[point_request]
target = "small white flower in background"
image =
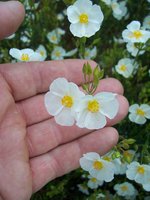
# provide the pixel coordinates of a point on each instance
(131, 48)
(139, 113)
(60, 100)
(25, 39)
(41, 49)
(125, 67)
(60, 17)
(126, 190)
(123, 8)
(116, 7)
(97, 167)
(148, 1)
(25, 55)
(85, 18)
(55, 35)
(100, 196)
(91, 111)
(134, 33)
(11, 36)
(27, 5)
(138, 173)
(90, 53)
(83, 189)
(146, 22)
(58, 53)
(118, 40)
(94, 183)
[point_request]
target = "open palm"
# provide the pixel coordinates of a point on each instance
(33, 148)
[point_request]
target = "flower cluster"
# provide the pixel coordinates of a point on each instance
(68, 104)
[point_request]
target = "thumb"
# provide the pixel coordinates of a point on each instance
(11, 15)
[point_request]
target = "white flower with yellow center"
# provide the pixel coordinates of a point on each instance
(115, 7)
(58, 53)
(97, 167)
(131, 48)
(90, 53)
(94, 183)
(139, 113)
(60, 100)
(54, 37)
(126, 190)
(25, 55)
(125, 67)
(42, 51)
(85, 18)
(135, 34)
(91, 111)
(138, 173)
(122, 7)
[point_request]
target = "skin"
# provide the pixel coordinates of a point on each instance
(33, 148)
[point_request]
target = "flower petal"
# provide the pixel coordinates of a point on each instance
(65, 117)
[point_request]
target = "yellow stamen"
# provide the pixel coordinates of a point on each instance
(93, 180)
(140, 112)
(98, 165)
(53, 38)
(83, 18)
(42, 53)
(25, 57)
(93, 106)
(107, 158)
(57, 53)
(123, 68)
(137, 34)
(124, 188)
(67, 101)
(140, 170)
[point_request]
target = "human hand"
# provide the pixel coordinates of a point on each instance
(33, 148)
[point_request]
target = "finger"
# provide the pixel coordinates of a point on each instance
(11, 16)
(66, 157)
(35, 77)
(47, 135)
(33, 109)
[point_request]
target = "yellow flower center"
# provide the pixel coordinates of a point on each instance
(53, 38)
(93, 180)
(140, 112)
(123, 68)
(93, 106)
(140, 170)
(107, 158)
(137, 34)
(124, 188)
(67, 101)
(42, 53)
(25, 57)
(83, 18)
(98, 165)
(57, 53)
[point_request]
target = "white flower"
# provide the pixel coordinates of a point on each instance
(93, 183)
(71, 53)
(83, 189)
(97, 167)
(42, 51)
(60, 16)
(91, 111)
(55, 35)
(138, 173)
(146, 22)
(60, 100)
(25, 55)
(24, 39)
(138, 114)
(90, 53)
(125, 189)
(125, 67)
(115, 7)
(58, 53)
(123, 8)
(133, 49)
(133, 33)
(85, 18)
